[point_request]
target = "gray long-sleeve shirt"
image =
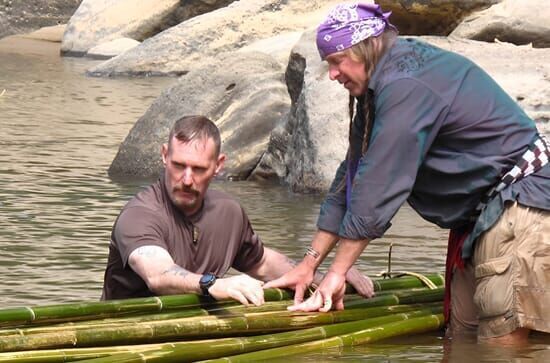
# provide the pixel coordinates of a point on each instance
(444, 133)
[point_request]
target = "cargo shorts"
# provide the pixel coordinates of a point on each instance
(506, 286)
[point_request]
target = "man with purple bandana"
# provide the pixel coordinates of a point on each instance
(432, 128)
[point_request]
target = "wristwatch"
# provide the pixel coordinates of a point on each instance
(205, 282)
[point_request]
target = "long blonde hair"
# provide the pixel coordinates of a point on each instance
(369, 52)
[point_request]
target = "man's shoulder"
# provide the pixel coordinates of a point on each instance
(218, 199)
(150, 198)
(148, 203)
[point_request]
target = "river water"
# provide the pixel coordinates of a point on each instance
(59, 132)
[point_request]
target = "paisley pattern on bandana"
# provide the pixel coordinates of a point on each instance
(366, 28)
(349, 24)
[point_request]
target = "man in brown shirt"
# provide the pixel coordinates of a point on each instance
(177, 236)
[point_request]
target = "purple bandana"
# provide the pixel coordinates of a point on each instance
(349, 24)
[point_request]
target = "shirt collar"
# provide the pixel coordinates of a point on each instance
(379, 69)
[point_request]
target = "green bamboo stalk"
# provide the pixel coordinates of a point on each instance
(412, 326)
(224, 310)
(184, 313)
(192, 351)
(155, 331)
(214, 309)
(406, 282)
(101, 309)
(79, 333)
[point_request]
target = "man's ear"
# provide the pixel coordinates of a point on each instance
(164, 153)
(219, 164)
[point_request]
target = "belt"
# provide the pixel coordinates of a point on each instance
(532, 160)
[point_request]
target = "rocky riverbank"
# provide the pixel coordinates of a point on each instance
(251, 65)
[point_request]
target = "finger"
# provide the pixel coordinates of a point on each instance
(252, 297)
(252, 291)
(237, 295)
(371, 288)
(311, 304)
(339, 305)
(280, 282)
(327, 304)
(257, 296)
(299, 294)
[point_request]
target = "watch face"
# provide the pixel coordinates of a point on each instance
(207, 279)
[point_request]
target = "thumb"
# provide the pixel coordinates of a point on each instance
(275, 283)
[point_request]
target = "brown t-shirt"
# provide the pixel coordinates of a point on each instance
(216, 238)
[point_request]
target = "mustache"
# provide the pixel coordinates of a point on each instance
(186, 190)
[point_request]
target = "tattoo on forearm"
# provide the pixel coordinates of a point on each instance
(176, 271)
(147, 251)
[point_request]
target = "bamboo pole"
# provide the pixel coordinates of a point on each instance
(415, 325)
(184, 313)
(354, 301)
(86, 334)
(192, 351)
(204, 326)
(102, 309)
(404, 282)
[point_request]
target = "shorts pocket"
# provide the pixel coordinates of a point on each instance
(494, 289)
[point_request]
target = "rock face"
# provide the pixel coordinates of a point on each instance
(431, 17)
(112, 48)
(18, 16)
(100, 21)
(518, 22)
(314, 142)
(244, 94)
(176, 50)
(184, 46)
(232, 61)
(52, 33)
(307, 150)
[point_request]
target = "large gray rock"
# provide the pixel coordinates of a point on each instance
(512, 21)
(307, 150)
(99, 21)
(112, 48)
(19, 16)
(278, 46)
(52, 33)
(181, 48)
(243, 93)
(431, 17)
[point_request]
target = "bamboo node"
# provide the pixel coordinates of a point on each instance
(159, 302)
(33, 315)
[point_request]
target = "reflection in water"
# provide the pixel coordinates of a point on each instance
(59, 133)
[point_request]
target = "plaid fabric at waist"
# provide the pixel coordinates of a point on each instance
(532, 160)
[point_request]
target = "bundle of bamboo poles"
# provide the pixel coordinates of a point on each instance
(187, 328)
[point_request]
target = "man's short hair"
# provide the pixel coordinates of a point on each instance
(189, 128)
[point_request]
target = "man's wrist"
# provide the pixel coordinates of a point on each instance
(337, 271)
(312, 258)
(206, 282)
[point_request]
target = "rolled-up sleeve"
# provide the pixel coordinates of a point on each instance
(408, 115)
(137, 227)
